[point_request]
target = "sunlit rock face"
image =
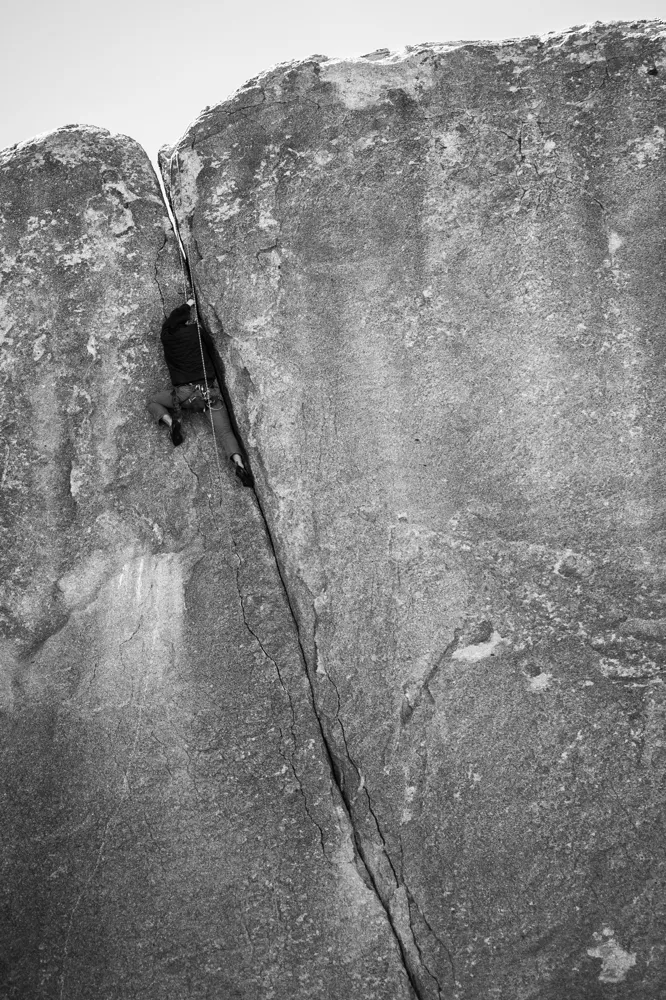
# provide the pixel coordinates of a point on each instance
(170, 827)
(438, 281)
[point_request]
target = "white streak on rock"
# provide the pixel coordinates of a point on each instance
(186, 167)
(480, 650)
(649, 147)
(38, 347)
(614, 243)
(363, 82)
(76, 480)
(615, 961)
(541, 682)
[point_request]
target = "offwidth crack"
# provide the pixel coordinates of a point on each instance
(337, 776)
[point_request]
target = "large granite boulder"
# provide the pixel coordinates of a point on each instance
(437, 281)
(170, 827)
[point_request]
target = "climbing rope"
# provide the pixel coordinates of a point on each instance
(184, 265)
(188, 283)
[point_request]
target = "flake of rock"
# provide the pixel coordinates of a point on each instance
(169, 826)
(439, 276)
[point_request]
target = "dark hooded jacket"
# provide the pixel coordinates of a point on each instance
(182, 351)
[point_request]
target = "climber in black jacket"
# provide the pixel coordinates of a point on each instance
(189, 374)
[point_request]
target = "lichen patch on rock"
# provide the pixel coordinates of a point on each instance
(615, 961)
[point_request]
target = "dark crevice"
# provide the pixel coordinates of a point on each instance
(399, 882)
(364, 862)
(292, 726)
(413, 905)
(335, 769)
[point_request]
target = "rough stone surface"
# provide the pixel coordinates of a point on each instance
(170, 827)
(438, 283)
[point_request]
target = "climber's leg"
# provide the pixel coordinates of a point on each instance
(158, 408)
(223, 430)
(228, 440)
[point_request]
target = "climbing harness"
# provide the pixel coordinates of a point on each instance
(200, 390)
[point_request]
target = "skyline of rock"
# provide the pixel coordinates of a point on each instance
(435, 280)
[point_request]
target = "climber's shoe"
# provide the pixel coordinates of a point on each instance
(244, 475)
(176, 433)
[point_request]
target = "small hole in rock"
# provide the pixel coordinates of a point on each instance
(653, 72)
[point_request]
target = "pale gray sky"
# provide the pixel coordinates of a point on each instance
(147, 67)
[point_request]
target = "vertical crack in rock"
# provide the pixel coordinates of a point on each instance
(413, 905)
(411, 957)
(537, 167)
(399, 883)
(372, 877)
(289, 761)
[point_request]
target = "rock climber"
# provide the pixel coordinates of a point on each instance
(183, 355)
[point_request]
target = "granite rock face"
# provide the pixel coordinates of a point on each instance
(437, 280)
(170, 826)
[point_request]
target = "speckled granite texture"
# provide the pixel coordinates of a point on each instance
(170, 826)
(437, 280)
(393, 727)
